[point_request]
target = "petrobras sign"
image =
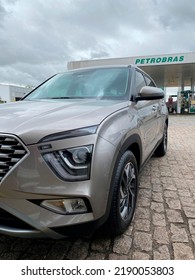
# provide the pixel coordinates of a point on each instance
(160, 59)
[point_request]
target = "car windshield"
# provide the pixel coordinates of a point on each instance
(109, 83)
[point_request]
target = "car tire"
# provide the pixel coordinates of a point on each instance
(162, 148)
(125, 186)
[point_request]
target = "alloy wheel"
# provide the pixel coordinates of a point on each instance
(127, 191)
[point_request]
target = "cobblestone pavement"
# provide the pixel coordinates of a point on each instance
(164, 221)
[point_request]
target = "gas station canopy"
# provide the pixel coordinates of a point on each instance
(168, 70)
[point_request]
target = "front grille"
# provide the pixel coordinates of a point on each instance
(11, 152)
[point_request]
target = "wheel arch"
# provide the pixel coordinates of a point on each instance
(133, 144)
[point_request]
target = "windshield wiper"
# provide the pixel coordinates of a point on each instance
(62, 97)
(69, 97)
(73, 97)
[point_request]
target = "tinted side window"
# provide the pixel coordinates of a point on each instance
(139, 82)
(149, 82)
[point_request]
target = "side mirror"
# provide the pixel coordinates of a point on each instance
(150, 93)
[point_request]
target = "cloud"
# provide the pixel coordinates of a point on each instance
(2, 13)
(38, 38)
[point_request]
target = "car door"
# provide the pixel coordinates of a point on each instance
(159, 104)
(147, 112)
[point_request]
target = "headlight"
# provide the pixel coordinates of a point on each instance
(72, 164)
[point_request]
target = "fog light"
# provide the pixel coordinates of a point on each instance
(66, 206)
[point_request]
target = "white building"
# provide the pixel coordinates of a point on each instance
(11, 92)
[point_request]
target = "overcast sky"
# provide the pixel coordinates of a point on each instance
(39, 37)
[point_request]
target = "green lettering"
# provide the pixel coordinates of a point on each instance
(147, 60)
(158, 60)
(164, 59)
(170, 59)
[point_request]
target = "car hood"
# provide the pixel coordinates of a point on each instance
(33, 120)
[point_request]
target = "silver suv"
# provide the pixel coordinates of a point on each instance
(72, 149)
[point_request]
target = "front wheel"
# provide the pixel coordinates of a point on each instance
(125, 185)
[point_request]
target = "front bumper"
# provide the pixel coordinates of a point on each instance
(36, 221)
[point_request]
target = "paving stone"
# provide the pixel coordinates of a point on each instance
(142, 225)
(180, 183)
(191, 223)
(178, 234)
(144, 183)
(167, 183)
(161, 235)
(157, 207)
(101, 245)
(20, 244)
(184, 193)
(142, 213)
(154, 165)
(165, 174)
(169, 187)
(173, 203)
(117, 257)
(140, 256)
(172, 194)
(191, 183)
(38, 250)
(122, 245)
(162, 253)
(143, 241)
(155, 180)
(4, 248)
(146, 171)
(193, 239)
(189, 175)
(157, 188)
(187, 201)
(155, 174)
(174, 216)
(182, 252)
(158, 219)
(189, 212)
(79, 250)
(145, 193)
(59, 250)
(129, 230)
(157, 197)
(14, 256)
(96, 256)
(143, 201)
